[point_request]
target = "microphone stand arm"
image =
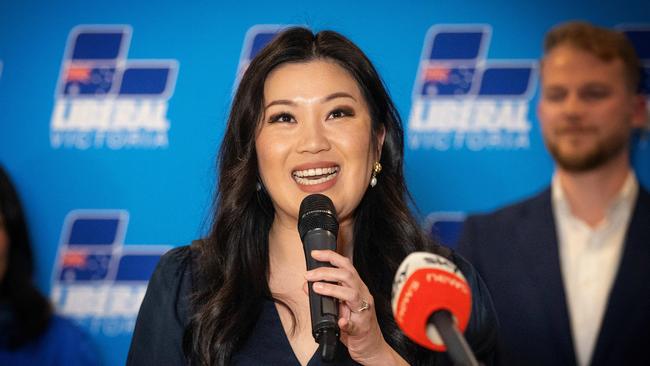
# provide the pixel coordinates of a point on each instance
(457, 347)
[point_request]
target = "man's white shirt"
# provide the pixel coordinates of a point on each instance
(589, 259)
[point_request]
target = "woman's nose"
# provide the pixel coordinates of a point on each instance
(313, 137)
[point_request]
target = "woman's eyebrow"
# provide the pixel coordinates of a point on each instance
(324, 99)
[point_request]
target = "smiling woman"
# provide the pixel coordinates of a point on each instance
(315, 136)
(311, 115)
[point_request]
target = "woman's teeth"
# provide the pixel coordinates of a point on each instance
(315, 176)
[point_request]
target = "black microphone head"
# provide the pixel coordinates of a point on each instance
(317, 212)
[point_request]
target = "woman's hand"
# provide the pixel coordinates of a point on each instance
(360, 330)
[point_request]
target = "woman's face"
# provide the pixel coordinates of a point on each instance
(315, 136)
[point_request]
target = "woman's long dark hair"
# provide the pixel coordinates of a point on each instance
(234, 267)
(29, 310)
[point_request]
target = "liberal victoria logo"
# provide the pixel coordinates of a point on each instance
(96, 280)
(463, 101)
(104, 99)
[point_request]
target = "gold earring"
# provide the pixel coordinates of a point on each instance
(375, 170)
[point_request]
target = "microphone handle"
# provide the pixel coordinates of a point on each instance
(457, 346)
(324, 309)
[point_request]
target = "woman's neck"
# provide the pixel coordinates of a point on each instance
(285, 246)
(286, 251)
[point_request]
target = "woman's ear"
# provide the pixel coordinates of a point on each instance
(381, 135)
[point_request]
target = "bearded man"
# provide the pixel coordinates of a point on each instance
(569, 269)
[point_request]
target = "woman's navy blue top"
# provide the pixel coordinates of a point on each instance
(268, 344)
(166, 310)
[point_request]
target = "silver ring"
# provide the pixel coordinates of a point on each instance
(364, 306)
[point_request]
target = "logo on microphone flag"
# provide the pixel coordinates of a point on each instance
(426, 283)
(97, 280)
(103, 99)
(462, 100)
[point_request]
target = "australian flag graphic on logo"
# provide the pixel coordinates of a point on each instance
(96, 279)
(454, 64)
(96, 65)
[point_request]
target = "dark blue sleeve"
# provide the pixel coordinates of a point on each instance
(164, 313)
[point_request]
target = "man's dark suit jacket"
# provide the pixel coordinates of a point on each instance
(515, 249)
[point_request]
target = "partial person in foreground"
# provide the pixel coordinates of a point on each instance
(569, 269)
(30, 334)
(310, 115)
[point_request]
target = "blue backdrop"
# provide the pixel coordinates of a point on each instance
(111, 114)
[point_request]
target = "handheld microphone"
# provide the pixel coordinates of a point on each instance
(431, 300)
(318, 227)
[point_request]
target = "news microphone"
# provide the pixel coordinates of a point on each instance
(431, 301)
(318, 227)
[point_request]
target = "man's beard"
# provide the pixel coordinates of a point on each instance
(604, 151)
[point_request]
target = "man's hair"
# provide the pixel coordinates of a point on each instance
(606, 44)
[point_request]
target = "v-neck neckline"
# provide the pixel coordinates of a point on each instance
(266, 346)
(285, 338)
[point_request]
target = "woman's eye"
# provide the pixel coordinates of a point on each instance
(340, 113)
(281, 117)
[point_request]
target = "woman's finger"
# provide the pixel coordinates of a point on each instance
(347, 294)
(333, 274)
(354, 301)
(334, 258)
